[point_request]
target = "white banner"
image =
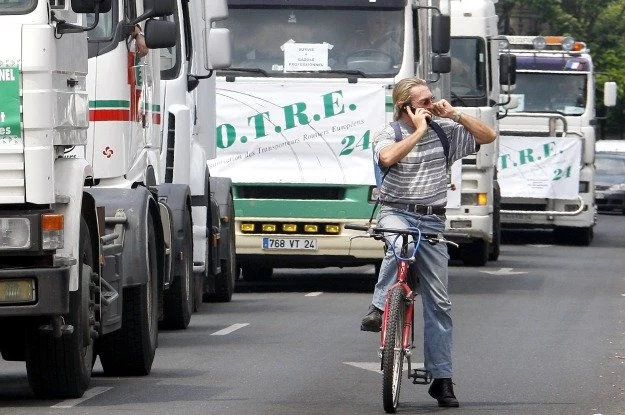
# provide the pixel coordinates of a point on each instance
(297, 132)
(539, 167)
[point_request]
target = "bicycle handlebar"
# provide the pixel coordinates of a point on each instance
(379, 230)
(399, 231)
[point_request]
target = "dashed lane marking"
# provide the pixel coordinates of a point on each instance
(89, 393)
(313, 294)
(229, 329)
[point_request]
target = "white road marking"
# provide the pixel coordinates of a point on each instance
(89, 393)
(229, 329)
(503, 271)
(313, 294)
(375, 366)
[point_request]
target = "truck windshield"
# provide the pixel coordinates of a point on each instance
(278, 41)
(468, 68)
(16, 6)
(548, 92)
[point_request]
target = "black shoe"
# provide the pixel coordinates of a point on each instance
(443, 391)
(373, 320)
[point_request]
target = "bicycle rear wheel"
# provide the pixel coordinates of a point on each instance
(393, 352)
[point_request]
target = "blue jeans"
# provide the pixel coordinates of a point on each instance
(431, 267)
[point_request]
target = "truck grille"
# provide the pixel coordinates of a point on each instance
(12, 185)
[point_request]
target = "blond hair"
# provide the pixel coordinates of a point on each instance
(401, 94)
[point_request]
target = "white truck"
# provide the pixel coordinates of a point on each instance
(547, 145)
(309, 85)
(473, 219)
(188, 140)
(92, 237)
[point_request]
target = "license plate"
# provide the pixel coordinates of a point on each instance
(290, 243)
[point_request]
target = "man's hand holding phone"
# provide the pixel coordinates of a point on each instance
(419, 116)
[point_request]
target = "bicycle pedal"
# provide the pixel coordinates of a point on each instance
(421, 377)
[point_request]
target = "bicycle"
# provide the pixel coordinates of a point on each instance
(397, 334)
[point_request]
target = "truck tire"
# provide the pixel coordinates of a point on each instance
(475, 254)
(178, 299)
(495, 246)
(225, 281)
(130, 350)
(198, 290)
(61, 367)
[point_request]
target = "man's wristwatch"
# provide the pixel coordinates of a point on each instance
(456, 116)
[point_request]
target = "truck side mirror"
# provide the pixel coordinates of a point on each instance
(89, 6)
(441, 34)
(507, 70)
(160, 34)
(158, 8)
(218, 53)
(609, 94)
(215, 10)
(441, 64)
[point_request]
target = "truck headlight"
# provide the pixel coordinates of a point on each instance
(374, 194)
(15, 233)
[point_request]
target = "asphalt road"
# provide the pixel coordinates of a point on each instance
(541, 331)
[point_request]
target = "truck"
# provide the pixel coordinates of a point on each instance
(187, 91)
(296, 113)
(473, 207)
(93, 239)
(547, 145)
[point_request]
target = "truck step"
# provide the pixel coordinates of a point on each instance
(57, 328)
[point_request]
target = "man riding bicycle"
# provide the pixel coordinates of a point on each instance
(413, 193)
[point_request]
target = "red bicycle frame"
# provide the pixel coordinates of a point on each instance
(402, 274)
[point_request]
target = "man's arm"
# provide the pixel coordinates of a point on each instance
(482, 132)
(139, 39)
(398, 150)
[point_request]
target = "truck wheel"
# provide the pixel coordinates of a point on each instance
(178, 301)
(495, 246)
(475, 254)
(61, 368)
(256, 272)
(198, 289)
(130, 350)
(225, 281)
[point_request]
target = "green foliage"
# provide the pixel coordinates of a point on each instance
(599, 23)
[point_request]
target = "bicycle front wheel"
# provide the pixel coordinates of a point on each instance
(393, 352)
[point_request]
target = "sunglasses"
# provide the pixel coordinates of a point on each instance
(425, 102)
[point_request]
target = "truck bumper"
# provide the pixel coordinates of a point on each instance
(479, 228)
(540, 219)
(51, 291)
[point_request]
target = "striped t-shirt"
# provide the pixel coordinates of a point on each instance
(420, 177)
